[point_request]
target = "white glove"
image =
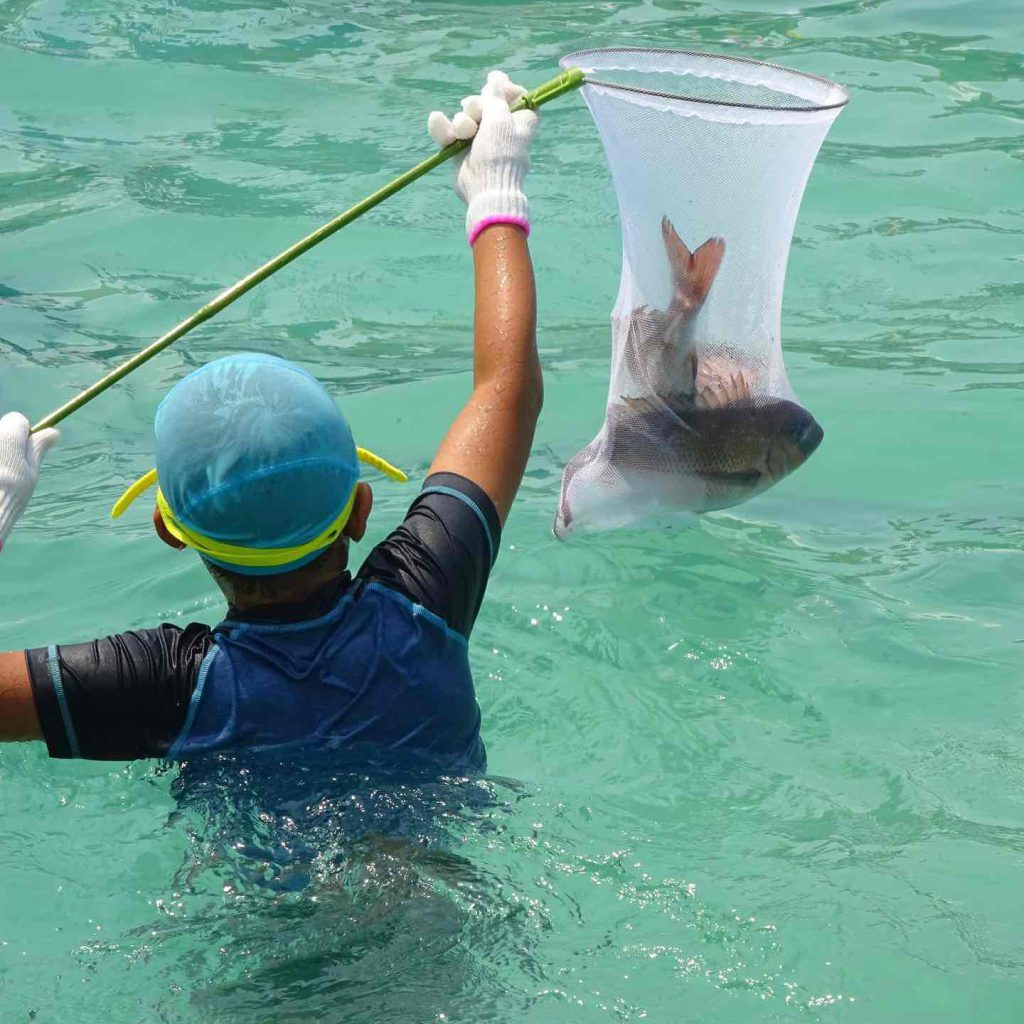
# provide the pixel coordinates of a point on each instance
(20, 456)
(490, 176)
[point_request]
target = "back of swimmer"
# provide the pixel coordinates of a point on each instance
(258, 473)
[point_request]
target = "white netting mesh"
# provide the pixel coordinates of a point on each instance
(709, 156)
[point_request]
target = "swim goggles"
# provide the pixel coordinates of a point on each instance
(235, 554)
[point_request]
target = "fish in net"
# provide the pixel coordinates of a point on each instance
(709, 157)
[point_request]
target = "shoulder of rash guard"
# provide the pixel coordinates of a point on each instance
(441, 555)
(121, 697)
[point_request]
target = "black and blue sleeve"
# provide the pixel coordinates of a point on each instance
(119, 698)
(442, 554)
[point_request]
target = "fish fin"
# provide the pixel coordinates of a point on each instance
(706, 262)
(691, 367)
(642, 404)
(692, 273)
(717, 389)
(744, 476)
(678, 402)
(676, 407)
(644, 343)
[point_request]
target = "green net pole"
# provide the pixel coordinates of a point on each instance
(563, 83)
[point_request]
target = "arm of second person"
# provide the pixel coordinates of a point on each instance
(490, 440)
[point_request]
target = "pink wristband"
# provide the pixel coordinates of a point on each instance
(480, 225)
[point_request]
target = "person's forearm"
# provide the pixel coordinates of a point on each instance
(505, 320)
(491, 437)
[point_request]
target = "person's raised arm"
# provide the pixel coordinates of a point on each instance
(490, 440)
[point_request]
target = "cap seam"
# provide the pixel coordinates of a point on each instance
(267, 471)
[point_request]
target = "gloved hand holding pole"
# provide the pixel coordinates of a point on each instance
(489, 178)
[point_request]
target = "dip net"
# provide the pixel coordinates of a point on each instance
(709, 156)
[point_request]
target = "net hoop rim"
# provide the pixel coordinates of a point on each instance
(571, 58)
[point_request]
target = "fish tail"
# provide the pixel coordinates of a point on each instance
(692, 273)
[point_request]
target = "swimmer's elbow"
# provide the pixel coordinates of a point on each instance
(519, 394)
(529, 398)
(533, 394)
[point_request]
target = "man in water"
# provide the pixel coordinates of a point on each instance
(258, 473)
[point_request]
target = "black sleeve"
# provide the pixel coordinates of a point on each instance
(119, 698)
(441, 555)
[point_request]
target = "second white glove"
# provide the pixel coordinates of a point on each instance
(490, 176)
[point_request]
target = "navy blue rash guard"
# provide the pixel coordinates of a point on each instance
(377, 661)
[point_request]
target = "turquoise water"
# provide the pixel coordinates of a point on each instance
(763, 768)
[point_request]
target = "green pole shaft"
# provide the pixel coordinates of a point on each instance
(563, 83)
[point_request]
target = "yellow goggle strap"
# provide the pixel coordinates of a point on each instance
(235, 554)
(381, 465)
(142, 484)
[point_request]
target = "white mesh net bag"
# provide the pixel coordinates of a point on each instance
(709, 156)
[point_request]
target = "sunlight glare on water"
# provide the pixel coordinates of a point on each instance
(763, 767)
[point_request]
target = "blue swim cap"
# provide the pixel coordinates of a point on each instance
(252, 451)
